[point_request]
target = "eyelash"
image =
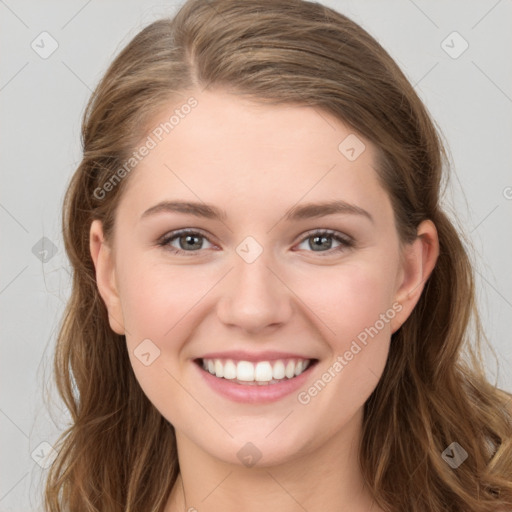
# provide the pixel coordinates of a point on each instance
(345, 241)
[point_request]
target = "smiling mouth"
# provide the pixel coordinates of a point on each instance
(262, 373)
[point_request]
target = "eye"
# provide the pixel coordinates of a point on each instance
(190, 241)
(322, 239)
(186, 239)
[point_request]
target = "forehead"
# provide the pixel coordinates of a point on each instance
(231, 150)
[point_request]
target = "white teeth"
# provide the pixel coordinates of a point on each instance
(278, 370)
(245, 371)
(290, 369)
(263, 372)
(229, 370)
(219, 369)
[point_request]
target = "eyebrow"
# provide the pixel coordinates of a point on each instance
(301, 212)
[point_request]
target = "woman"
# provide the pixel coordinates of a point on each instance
(218, 351)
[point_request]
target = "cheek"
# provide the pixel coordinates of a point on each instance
(355, 308)
(349, 299)
(155, 296)
(158, 305)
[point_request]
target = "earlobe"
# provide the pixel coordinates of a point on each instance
(103, 260)
(419, 260)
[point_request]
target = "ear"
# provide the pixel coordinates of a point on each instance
(418, 261)
(103, 259)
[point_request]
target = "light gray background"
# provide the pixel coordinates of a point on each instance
(42, 102)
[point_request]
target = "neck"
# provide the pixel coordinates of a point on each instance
(327, 479)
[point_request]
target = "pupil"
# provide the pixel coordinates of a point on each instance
(323, 242)
(190, 239)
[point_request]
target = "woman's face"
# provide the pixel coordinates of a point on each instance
(258, 291)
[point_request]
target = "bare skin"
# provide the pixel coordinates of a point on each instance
(257, 162)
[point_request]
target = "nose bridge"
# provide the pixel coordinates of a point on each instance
(253, 297)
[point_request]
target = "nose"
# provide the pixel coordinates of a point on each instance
(254, 297)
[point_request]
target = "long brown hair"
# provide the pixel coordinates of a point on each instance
(119, 454)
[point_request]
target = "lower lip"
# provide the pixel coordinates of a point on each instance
(256, 393)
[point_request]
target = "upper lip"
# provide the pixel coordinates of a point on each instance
(241, 355)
